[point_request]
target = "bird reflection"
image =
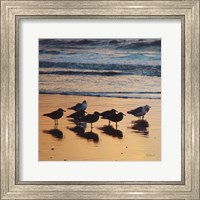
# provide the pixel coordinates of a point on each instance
(54, 132)
(80, 131)
(77, 129)
(140, 126)
(109, 130)
(78, 123)
(91, 136)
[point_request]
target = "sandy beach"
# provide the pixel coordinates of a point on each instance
(133, 140)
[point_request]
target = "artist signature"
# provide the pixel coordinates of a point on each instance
(150, 155)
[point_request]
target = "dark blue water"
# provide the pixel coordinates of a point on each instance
(101, 67)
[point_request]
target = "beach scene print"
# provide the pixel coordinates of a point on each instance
(100, 99)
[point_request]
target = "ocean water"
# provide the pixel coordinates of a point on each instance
(120, 68)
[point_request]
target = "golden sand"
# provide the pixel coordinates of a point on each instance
(131, 142)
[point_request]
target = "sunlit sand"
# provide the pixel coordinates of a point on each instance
(132, 141)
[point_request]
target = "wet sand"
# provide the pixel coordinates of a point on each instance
(133, 141)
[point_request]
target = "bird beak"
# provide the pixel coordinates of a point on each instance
(124, 114)
(64, 110)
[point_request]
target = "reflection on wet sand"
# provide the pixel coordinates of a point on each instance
(131, 142)
(109, 130)
(140, 126)
(54, 132)
(80, 131)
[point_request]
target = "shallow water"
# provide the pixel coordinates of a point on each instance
(132, 141)
(107, 86)
(124, 68)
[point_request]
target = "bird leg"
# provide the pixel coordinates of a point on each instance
(91, 127)
(143, 117)
(116, 125)
(108, 122)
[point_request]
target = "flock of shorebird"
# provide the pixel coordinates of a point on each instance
(110, 115)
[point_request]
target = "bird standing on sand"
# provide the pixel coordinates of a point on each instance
(91, 118)
(140, 111)
(107, 113)
(79, 106)
(77, 115)
(115, 117)
(55, 115)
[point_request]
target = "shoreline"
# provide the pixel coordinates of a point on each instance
(86, 95)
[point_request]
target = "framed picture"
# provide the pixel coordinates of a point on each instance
(99, 99)
(101, 77)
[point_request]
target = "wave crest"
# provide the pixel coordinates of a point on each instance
(99, 69)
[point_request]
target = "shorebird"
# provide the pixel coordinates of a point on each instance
(77, 115)
(55, 115)
(140, 111)
(91, 118)
(115, 117)
(79, 106)
(107, 113)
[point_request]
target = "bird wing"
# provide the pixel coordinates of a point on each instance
(137, 110)
(72, 115)
(105, 117)
(104, 113)
(78, 105)
(49, 114)
(87, 117)
(53, 113)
